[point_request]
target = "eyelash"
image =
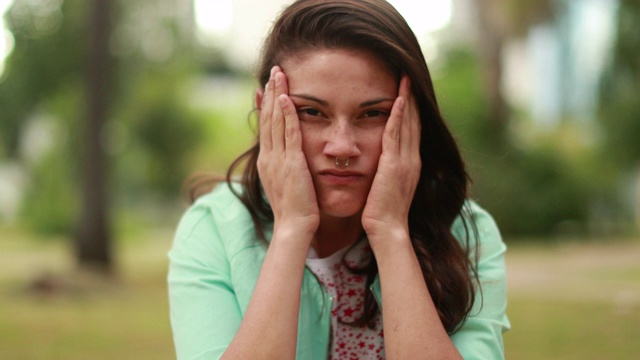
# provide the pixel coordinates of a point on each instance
(306, 111)
(377, 113)
(367, 114)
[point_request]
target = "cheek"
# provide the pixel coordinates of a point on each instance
(311, 140)
(372, 141)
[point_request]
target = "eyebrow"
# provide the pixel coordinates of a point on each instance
(324, 103)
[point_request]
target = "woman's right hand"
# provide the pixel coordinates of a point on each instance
(287, 184)
(282, 165)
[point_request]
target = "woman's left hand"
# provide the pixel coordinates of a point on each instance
(386, 212)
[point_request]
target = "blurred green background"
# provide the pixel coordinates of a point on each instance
(107, 107)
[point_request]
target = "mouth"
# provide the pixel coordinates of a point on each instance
(340, 177)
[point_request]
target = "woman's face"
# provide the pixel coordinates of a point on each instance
(343, 99)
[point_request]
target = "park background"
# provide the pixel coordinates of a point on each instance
(107, 107)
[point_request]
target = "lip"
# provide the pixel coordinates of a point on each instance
(340, 177)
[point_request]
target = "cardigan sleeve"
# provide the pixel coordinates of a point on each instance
(480, 337)
(203, 308)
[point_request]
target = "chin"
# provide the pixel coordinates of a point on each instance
(341, 213)
(341, 207)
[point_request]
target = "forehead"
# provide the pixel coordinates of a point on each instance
(338, 70)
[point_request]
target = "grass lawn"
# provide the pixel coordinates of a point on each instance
(574, 301)
(92, 318)
(547, 329)
(565, 302)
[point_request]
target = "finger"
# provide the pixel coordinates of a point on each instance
(406, 123)
(416, 125)
(405, 87)
(395, 125)
(264, 132)
(391, 135)
(411, 126)
(292, 135)
(277, 117)
(266, 110)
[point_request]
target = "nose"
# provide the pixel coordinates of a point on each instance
(341, 142)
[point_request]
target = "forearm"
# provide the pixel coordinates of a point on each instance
(270, 325)
(412, 327)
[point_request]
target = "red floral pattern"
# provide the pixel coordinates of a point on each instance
(347, 291)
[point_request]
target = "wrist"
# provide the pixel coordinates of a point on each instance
(300, 226)
(389, 239)
(292, 235)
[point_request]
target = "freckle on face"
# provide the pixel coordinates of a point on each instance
(343, 80)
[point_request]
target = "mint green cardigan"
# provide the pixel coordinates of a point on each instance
(214, 265)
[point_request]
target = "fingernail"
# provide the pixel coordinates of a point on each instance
(283, 100)
(278, 79)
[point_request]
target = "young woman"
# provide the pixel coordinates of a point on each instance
(349, 234)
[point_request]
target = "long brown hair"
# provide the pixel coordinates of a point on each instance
(376, 27)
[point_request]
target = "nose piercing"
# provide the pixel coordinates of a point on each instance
(342, 162)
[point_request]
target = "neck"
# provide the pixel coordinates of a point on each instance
(336, 233)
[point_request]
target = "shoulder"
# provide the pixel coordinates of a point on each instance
(219, 219)
(222, 202)
(476, 228)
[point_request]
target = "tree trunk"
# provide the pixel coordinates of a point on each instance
(93, 242)
(493, 26)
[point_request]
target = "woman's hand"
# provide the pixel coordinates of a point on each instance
(282, 165)
(412, 327)
(287, 183)
(386, 213)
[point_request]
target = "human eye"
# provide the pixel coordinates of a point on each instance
(375, 113)
(309, 113)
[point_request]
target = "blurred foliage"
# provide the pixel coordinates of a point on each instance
(572, 179)
(49, 205)
(534, 182)
(45, 58)
(531, 186)
(620, 114)
(153, 130)
(157, 124)
(620, 100)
